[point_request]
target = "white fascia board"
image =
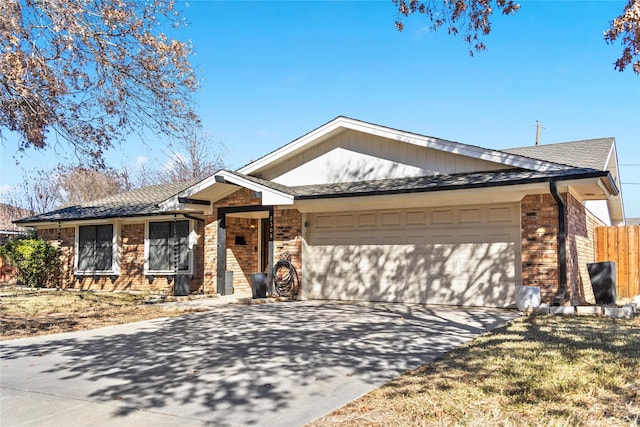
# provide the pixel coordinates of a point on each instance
(472, 151)
(612, 153)
(269, 195)
(616, 210)
(315, 135)
(172, 204)
(615, 203)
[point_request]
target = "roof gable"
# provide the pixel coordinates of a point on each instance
(399, 149)
(355, 156)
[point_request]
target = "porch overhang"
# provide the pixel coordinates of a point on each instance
(222, 184)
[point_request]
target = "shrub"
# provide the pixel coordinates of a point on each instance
(35, 260)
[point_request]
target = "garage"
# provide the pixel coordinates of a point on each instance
(466, 255)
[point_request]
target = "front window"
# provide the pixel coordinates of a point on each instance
(169, 246)
(95, 248)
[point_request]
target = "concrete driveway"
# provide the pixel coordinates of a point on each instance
(282, 364)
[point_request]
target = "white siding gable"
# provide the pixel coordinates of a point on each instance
(355, 156)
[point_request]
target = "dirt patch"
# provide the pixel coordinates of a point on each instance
(32, 312)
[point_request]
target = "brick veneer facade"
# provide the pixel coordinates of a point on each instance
(131, 253)
(539, 228)
(539, 225)
(581, 227)
(288, 238)
(243, 259)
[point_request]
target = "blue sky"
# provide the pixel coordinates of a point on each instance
(272, 71)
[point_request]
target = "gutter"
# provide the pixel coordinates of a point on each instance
(447, 187)
(558, 299)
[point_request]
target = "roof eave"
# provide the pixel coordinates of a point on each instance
(40, 223)
(514, 182)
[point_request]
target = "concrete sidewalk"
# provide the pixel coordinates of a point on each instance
(282, 364)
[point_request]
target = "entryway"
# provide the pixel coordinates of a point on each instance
(245, 248)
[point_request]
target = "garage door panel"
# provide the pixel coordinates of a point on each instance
(500, 215)
(396, 260)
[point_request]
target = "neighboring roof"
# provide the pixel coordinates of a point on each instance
(8, 214)
(142, 201)
(441, 182)
(632, 221)
(588, 153)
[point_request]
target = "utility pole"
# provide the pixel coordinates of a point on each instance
(538, 127)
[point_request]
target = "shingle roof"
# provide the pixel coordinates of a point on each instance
(585, 159)
(439, 183)
(588, 153)
(142, 201)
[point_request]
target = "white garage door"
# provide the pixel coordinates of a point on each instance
(458, 256)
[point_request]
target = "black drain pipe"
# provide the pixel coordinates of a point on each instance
(562, 245)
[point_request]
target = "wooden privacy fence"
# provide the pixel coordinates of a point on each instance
(621, 245)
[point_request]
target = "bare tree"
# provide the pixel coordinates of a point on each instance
(92, 72)
(470, 18)
(38, 193)
(194, 158)
(141, 176)
(44, 190)
(77, 185)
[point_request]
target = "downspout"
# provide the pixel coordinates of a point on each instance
(562, 245)
(59, 251)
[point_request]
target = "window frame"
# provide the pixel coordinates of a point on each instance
(147, 248)
(114, 269)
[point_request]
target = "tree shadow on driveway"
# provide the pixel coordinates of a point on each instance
(284, 364)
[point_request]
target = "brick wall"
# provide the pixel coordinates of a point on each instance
(581, 250)
(288, 238)
(131, 254)
(64, 239)
(576, 235)
(539, 220)
(210, 259)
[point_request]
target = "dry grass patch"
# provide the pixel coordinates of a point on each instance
(31, 312)
(539, 370)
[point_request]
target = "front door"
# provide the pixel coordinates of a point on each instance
(264, 244)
